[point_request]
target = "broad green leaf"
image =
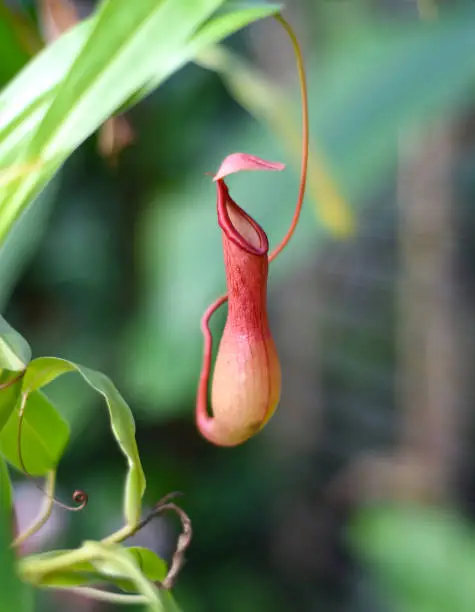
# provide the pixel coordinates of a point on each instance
(8, 396)
(151, 565)
(42, 371)
(15, 352)
(44, 436)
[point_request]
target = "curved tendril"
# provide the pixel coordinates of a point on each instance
(208, 338)
(202, 406)
(183, 541)
(305, 136)
(79, 497)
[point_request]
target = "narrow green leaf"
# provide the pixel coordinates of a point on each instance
(44, 436)
(260, 6)
(120, 53)
(15, 352)
(31, 92)
(125, 43)
(231, 18)
(44, 370)
(95, 69)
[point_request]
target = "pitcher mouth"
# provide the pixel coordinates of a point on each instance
(238, 226)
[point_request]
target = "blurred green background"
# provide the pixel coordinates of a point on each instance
(357, 495)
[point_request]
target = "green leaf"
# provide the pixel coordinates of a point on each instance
(124, 44)
(96, 572)
(15, 352)
(6, 493)
(44, 370)
(65, 94)
(44, 435)
(231, 18)
(8, 396)
(151, 565)
(14, 595)
(95, 562)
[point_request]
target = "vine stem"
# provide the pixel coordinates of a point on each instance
(36, 569)
(183, 542)
(108, 596)
(44, 513)
(305, 136)
(12, 381)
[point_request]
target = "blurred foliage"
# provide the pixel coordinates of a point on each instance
(386, 76)
(113, 268)
(424, 557)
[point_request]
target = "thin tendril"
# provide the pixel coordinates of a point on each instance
(79, 497)
(202, 398)
(183, 541)
(305, 136)
(208, 338)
